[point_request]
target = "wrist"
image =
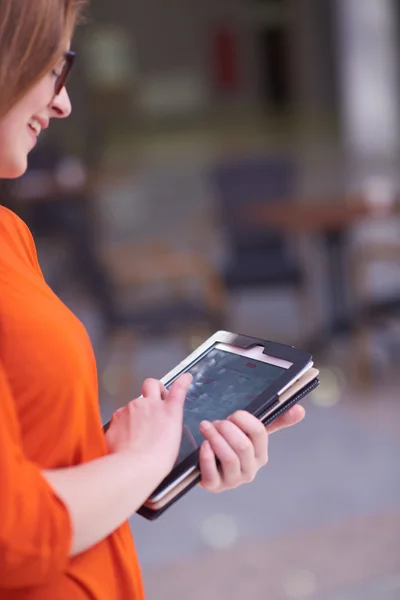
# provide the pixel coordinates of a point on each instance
(151, 467)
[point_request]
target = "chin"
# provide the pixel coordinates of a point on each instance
(14, 169)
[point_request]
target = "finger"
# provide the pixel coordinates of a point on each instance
(210, 476)
(178, 390)
(164, 392)
(289, 418)
(242, 445)
(151, 387)
(117, 413)
(256, 432)
(230, 463)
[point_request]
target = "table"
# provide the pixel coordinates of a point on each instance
(331, 220)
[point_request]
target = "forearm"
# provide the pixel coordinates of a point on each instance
(102, 494)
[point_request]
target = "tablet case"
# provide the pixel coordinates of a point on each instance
(292, 396)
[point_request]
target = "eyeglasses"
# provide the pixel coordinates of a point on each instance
(69, 59)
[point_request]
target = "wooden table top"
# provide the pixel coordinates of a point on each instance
(330, 215)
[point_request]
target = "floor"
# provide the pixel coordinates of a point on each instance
(321, 522)
(328, 563)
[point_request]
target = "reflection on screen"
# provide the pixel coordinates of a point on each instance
(222, 383)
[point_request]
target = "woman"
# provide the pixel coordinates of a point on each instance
(66, 490)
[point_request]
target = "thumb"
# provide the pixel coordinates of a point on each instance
(178, 390)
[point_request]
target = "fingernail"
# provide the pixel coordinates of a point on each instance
(206, 425)
(206, 447)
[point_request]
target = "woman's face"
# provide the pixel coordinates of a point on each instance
(21, 127)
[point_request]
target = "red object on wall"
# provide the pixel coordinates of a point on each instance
(225, 59)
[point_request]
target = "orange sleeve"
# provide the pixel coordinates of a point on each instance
(35, 528)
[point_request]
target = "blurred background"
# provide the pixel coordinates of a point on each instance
(235, 164)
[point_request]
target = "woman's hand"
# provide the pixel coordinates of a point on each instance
(151, 426)
(143, 442)
(241, 445)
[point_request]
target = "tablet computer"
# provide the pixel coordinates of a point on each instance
(230, 372)
(154, 506)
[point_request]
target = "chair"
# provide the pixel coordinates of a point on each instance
(258, 258)
(163, 288)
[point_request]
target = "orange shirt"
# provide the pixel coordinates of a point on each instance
(49, 418)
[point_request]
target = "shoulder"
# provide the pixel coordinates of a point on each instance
(11, 220)
(18, 234)
(13, 225)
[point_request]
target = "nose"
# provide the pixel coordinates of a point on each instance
(61, 105)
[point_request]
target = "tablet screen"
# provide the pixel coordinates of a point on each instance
(222, 383)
